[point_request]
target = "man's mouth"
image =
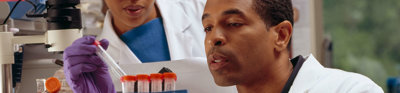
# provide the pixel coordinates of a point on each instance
(217, 61)
(134, 10)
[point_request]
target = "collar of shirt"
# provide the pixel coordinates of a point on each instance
(297, 62)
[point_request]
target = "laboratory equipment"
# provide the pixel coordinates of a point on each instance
(114, 69)
(64, 24)
(143, 83)
(40, 88)
(53, 85)
(156, 82)
(64, 87)
(169, 81)
(5, 9)
(193, 74)
(128, 83)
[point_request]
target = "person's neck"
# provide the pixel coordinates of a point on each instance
(274, 80)
(120, 27)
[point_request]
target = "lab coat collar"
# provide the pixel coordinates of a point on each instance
(117, 48)
(309, 75)
(175, 23)
(174, 19)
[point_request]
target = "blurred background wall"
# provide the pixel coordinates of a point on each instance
(365, 36)
(353, 35)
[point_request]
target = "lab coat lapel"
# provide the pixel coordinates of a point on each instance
(175, 23)
(117, 49)
(308, 76)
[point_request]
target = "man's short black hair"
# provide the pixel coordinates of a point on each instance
(273, 12)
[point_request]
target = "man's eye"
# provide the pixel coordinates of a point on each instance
(235, 24)
(207, 29)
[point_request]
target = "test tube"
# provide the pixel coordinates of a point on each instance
(128, 83)
(40, 88)
(143, 83)
(156, 82)
(115, 70)
(64, 87)
(169, 81)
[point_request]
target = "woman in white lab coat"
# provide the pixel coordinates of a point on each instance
(178, 21)
(183, 30)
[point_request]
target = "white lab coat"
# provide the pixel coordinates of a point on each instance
(314, 78)
(183, 29)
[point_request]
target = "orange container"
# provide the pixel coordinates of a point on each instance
(53, 85)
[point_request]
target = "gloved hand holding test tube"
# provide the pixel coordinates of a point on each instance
(114, 69)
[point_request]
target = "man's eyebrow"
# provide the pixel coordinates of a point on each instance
(233, 11)
(227, 12)
(205, 16)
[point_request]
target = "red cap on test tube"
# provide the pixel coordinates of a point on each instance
(156, 76)
(96, 42)
(169, 75)
(142, 77)
(128, 78)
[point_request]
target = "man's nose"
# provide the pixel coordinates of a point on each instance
(217, 38)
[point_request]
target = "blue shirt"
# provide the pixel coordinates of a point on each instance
(148, 41)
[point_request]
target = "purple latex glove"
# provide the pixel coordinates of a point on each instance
(84, 71)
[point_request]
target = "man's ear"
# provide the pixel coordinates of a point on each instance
(284, 32)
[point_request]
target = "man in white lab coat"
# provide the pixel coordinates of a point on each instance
(138, 31)
(246, 45)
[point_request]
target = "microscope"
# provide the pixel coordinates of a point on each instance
(63, 27)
